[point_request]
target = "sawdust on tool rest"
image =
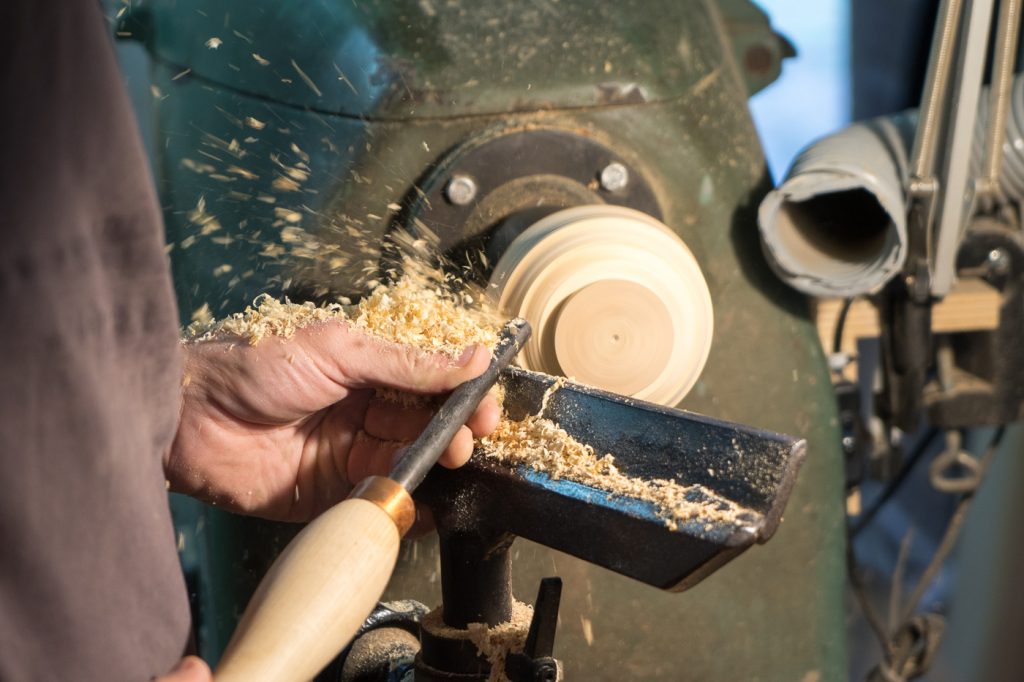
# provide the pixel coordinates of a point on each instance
(493, 643)
(542, 445)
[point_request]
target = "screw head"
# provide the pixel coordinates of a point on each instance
(614, 177)
(999, 261)
(460, 190)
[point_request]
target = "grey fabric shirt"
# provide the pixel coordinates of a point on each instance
(90, 587)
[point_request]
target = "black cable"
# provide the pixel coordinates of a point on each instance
(894, 486)
(895, 658)
(837, 334)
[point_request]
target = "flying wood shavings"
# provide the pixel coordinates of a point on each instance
(285, 184)
(197, 166)
(202, 315)
(306, 79)
(207, 222)
(248, 175)
(287, 214)
(588, 630)
(260, 60)
(343, 78)
(214, 43)
(255, 123)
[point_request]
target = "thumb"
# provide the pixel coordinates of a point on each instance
(189, 669)
(367, 361)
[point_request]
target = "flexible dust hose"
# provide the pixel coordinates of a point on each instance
(836, 226)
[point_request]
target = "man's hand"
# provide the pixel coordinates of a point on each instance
(189, 669)
(284, 429)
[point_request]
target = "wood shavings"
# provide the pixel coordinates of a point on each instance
(493, 643)
(197, 166)
(306, 79)
(588, 630)
(260, 60)
(428, 317)
(248, 175)
(267, 316)
(285, 184)
(255, 123)
(202, 315)
(542, 445)
(199, 216)
(287, 214)
(411, 311)
(214, 43)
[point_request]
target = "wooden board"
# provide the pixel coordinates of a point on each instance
(972, 305)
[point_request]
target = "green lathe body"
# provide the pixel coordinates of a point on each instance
(366, 97)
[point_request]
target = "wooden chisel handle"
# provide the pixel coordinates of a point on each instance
(321, 588)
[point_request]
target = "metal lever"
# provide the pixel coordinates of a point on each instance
(541, 639)
(535, 663)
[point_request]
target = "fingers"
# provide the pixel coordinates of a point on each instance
(360, 360)
(485, 419)
(460, 450)
(372, 456)
(189, 669)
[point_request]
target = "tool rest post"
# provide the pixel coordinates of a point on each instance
(476, 578)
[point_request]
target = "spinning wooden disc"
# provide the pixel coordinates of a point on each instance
(615, 298)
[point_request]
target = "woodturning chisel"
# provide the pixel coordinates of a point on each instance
(326, 582)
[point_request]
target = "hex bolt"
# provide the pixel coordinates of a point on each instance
(460, 190)
(614, 177)
(999, 262)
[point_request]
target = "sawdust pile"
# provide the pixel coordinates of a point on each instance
(267, 316)
(412, 311)
(493, 643)
(429, 317)
(542, 445)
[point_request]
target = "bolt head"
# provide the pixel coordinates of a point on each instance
(460, 190)
(614, 177)
(998, 261)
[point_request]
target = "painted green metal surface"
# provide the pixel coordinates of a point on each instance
(400, 59)
(776, 613)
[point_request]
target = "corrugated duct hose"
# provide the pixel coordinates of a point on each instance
(836, 226)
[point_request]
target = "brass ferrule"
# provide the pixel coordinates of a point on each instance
(389, 496)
